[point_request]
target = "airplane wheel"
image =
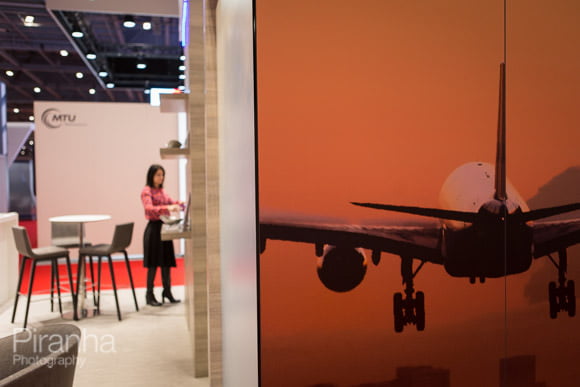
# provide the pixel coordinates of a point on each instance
(420, 311)
(571, 298)
(552, 297)
(398, 312)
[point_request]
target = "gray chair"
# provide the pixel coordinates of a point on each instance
(66, 235)
(50, 253)
(121, 240)
(46, 356)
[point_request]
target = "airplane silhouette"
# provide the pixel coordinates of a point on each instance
(486, 230)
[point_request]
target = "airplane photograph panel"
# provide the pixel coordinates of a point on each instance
(419, 192)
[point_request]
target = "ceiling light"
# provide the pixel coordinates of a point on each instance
(77, 33)
(182, 57)
(92, 91)
(182, 68)
(63, 53)
(37, 90)
(29, 19)
(103, 74)
(10, 73)
(16, 110)
(129, 22)
(31, 142)
(181, 87)
(79, 75)
(110, 85)
(147, 26)
(141, 66)
(91, 55)
(181, 76)
(30, 118)
(147, 91)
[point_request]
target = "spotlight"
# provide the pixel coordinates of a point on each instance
(146, 26)
(79, 75)
(16, 110)
(129, 22)
(30, 118)
(10, 73)
(91, 55)
(92, 91)
(63, 53)
(77, 33)
(181, 87)
(181, 76)
(182, 57)
(147, 91)
(141, 66)
(103, 74)
(182, 68)
(28, 21)
(37, 90)
(110, 85)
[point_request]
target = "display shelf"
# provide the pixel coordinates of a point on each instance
(174, 153)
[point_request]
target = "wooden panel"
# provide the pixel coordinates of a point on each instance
(212, 180)
(197, 254)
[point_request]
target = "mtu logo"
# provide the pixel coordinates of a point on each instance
(54, 119)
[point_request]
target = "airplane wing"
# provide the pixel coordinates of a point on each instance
(420, 241)
(550, 237)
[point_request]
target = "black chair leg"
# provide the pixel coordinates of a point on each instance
(32, 272)
(99, 285)
(114, 286)
(131, 280)
(72, 289)
(22, 266)
(51, 287)
(93, 280)
(55, 265)
(79, 267)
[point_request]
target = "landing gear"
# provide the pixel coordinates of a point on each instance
(562, 295)
(409, 310)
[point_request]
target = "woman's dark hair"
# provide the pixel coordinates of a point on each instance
(151, 172)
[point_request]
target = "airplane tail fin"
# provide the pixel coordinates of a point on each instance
(500, 160)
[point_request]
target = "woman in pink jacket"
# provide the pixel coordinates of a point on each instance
(157, 253)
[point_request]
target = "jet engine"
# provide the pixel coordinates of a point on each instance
(341, 268)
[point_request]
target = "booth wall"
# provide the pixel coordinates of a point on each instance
(95, 159)
(237, 192)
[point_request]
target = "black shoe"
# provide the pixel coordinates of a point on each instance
(167, 294)
(150, 299)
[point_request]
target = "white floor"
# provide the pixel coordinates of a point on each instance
(147, 348)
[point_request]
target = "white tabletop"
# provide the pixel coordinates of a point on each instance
(79, 218)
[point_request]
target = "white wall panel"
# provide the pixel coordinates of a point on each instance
(237, 192)
(95, 159)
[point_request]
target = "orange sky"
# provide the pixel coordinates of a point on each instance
(379, 101)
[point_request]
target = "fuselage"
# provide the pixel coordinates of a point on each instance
(499, 243)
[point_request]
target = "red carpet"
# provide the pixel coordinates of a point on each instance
(42, 277)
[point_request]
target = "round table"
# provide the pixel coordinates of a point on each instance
(81, 220)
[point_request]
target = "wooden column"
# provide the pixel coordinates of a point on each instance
(202, 265)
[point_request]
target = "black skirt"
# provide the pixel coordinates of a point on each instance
(155, 251)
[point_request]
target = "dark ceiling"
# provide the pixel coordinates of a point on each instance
(31, 55)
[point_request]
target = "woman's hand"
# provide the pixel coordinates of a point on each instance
(173, 207)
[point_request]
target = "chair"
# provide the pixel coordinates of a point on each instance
(66, 235)
(50, 253)
(121, 240)
(46, 356)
